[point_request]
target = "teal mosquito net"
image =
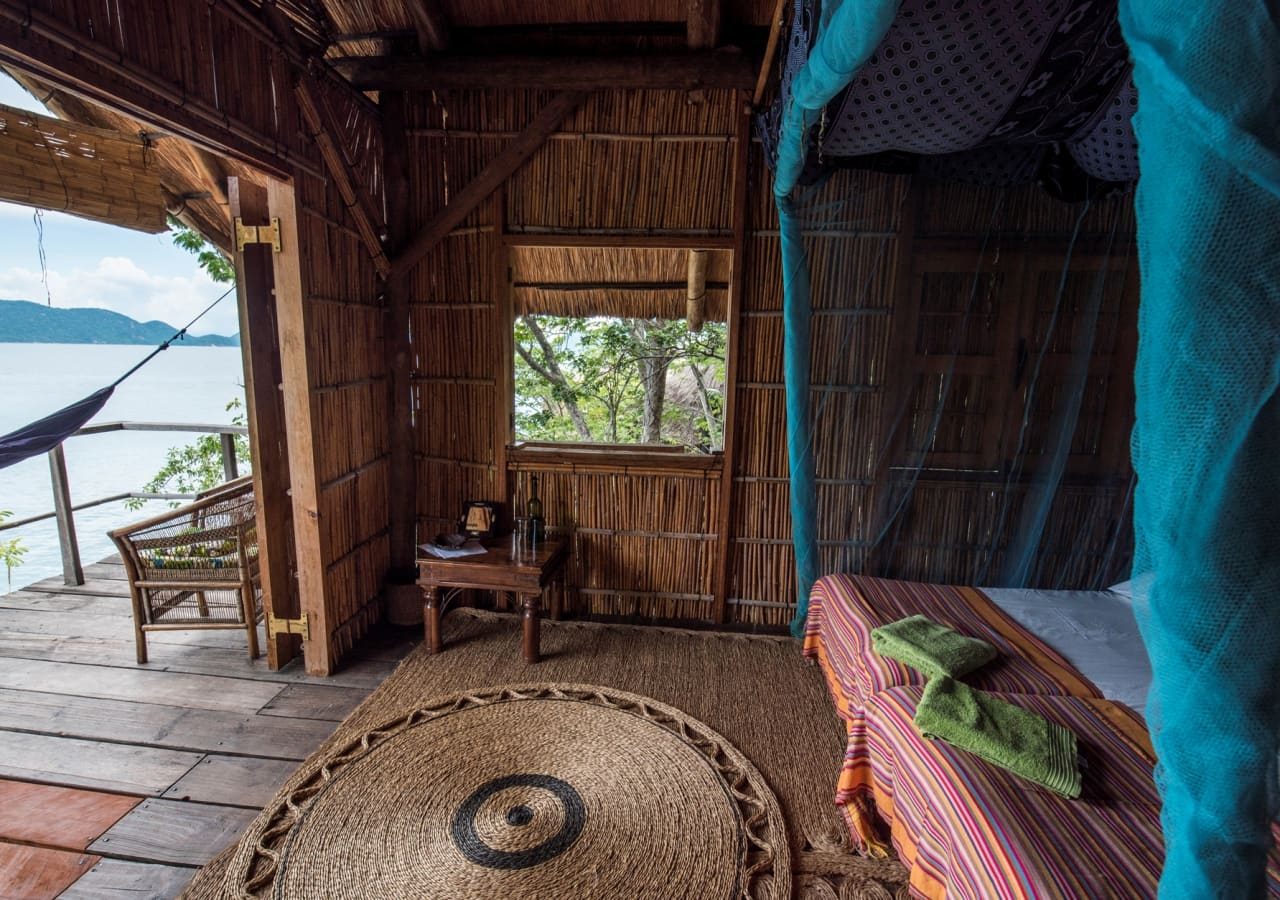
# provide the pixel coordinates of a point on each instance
(1206, 446)
(1207, 442)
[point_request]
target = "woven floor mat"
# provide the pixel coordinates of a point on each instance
(716, 753)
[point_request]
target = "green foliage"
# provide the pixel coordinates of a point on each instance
(197, 466)
(209, 257)
(11, 551)
(595, 379)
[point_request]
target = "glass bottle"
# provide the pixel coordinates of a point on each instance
(537, 525)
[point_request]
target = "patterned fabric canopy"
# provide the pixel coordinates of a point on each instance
(997, 92)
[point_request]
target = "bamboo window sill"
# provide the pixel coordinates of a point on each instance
(628, 460)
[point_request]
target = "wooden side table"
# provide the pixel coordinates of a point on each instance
(497, 570)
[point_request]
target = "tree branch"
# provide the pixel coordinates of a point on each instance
(553, 374)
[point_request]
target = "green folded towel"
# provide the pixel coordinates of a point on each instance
(1003, 734)
(930, 648)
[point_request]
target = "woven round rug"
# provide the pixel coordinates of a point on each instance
(552, 791)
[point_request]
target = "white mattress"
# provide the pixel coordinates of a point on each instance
(1095, 630)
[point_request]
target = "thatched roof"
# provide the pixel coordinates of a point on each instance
(190, 182)
(96, 173)
(619, 281)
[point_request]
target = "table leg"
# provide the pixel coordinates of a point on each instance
(431, 619)
(557, 599)
(531, 628)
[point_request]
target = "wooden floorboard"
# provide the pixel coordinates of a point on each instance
(359, 672)
(58, 817)
(314, 701)
(154, 725)
(37, 873)
(118, 879)
(87, 625)
(170, 831)
(193, 743)
(139, 685)
(233, 781)
(124, 768)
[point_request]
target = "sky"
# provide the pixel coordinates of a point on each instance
(90, 264)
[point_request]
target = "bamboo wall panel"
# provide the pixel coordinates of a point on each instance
(643, 544)
(854, 247)
(347, 360)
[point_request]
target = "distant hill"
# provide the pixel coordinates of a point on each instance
(24, 322)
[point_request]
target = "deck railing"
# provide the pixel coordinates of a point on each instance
(64, 511)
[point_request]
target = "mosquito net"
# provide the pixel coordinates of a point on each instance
(1207, 441)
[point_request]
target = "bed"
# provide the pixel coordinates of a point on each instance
(963, 827)
(967, 830)
(844, 609)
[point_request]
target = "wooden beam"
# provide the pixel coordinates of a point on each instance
(320, 122)
(431, 24)
(722, 581)
(44, 45)
(671, 71)
(490, 178)
(703, 24)
(268, 437)
(399, 352)
(299, 418)
(770, 50)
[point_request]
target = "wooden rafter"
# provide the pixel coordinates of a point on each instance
(320, 122)
(324, 130)
(431, 24)
(490, 178)
(670, 71)
(703, 24)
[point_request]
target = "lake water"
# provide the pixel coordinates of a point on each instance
(183, 384)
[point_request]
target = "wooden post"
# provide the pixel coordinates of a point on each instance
(299, 421)
(230, 469)
(403, 477)
(260, 348)
(696, 294)
(724, 528)
(702, 24)
(72, 573)
(504, 395)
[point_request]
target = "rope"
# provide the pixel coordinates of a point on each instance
(178, 335)
(38, 218)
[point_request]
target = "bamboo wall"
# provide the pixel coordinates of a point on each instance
(347, 364)
(889, 283)
(646, 534)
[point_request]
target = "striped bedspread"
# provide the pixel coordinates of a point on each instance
(843, 610)
(967, 829)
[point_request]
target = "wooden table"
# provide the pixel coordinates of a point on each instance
(497, 570)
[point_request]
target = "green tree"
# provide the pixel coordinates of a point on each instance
(197, 466)
(619, 380)
(11, 551)
(209, 257)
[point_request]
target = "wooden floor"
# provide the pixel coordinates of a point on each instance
(118, 780)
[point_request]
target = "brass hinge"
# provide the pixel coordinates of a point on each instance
(258, 234)
(289, 626)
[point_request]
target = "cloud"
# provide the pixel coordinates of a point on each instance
(118, 283)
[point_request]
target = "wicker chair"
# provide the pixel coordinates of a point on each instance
(195, 566)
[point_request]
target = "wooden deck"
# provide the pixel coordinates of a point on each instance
(118, 780)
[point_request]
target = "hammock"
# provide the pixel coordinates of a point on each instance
(43, 435)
